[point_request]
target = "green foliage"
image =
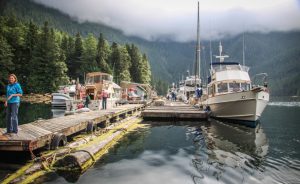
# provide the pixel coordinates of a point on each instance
(49, 70)
(44, 58)
(89, 54)
(102, 55)
(6, 63)
(120, 62)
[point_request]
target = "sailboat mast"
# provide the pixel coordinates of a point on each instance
(210, 53)
(198, 43)
(243, 49)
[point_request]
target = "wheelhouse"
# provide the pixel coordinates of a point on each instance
(228, 77)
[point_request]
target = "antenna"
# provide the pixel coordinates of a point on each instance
(222, 58)
(210, 52)
(198, 41)
(243, 49)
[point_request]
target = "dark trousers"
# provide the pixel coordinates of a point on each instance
(104, 102)
(12, 117)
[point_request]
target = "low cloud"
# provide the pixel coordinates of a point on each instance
(176, 19)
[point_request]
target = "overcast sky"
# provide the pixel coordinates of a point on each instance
(176, 19)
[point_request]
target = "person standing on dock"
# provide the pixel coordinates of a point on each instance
(12, 103)
(198, 93)
(104, 96)
(99, 97)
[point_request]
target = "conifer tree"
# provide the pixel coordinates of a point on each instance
(135, 58)
(77, 58)
(89, 63)
(145, 70)
(31, 38)
(6, 63)
(102, 57)
(49, 71)
(120, 60)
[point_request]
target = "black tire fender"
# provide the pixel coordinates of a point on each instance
(58, 140)
(90, 127)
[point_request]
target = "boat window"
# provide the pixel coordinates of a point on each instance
(222, 88)
(89, 80)
(209, 90)
(245, 86)
(97, 79)
(234, 87)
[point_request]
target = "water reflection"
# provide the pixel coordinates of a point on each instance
(203, 153)
(28, 112)
(229, 153)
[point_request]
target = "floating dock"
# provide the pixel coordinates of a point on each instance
(174, 111)
(54, 132)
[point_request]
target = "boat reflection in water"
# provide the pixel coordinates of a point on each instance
(229, 152)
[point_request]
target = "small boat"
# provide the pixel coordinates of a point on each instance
(191, 83)
(231, 94)
(95, 82)
(63, 95)
(136, 92)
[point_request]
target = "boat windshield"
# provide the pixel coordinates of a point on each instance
(89, 80)
(224, 67)
(98, 79)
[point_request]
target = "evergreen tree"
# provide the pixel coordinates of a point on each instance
(14, 33)
(31, 39)
(49, 71)
(68, 47)
(77, 58)
(123, 65)
(120, 60)
(89, 63)
(6, 63)
(136, 60)
(102, 57)
(145, 70)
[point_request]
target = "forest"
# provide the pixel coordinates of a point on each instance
(44, 58)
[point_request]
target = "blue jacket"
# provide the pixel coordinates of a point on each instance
(13, 89)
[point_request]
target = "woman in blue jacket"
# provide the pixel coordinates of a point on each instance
(12, 103)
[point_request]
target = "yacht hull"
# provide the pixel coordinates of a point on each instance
(241, 106)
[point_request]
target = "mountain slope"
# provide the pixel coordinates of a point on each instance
(274, 53)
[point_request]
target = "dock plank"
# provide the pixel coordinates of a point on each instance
(174, 110)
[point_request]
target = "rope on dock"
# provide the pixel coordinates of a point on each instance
(92, 156)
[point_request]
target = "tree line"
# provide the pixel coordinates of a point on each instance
(44, 58)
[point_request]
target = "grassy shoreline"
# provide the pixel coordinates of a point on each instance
(33, 98)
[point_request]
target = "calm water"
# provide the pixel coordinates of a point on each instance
(205, 152)
(28, 113)
(196, 152)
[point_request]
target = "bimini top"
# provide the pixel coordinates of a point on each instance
(225, 63)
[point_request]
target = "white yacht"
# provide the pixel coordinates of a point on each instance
(231, 94)
(190, 86)
(64, 94)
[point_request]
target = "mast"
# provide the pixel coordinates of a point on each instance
(198, 43)
(210, 52)
(243, 49)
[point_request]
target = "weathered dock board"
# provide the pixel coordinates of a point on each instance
(174, 111)
(41, 133)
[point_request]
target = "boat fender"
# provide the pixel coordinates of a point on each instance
(90, 127)
(58, 140)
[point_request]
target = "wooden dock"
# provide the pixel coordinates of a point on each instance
(45, 133)
(174, 111)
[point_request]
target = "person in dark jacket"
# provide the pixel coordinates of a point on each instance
(12, 103)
